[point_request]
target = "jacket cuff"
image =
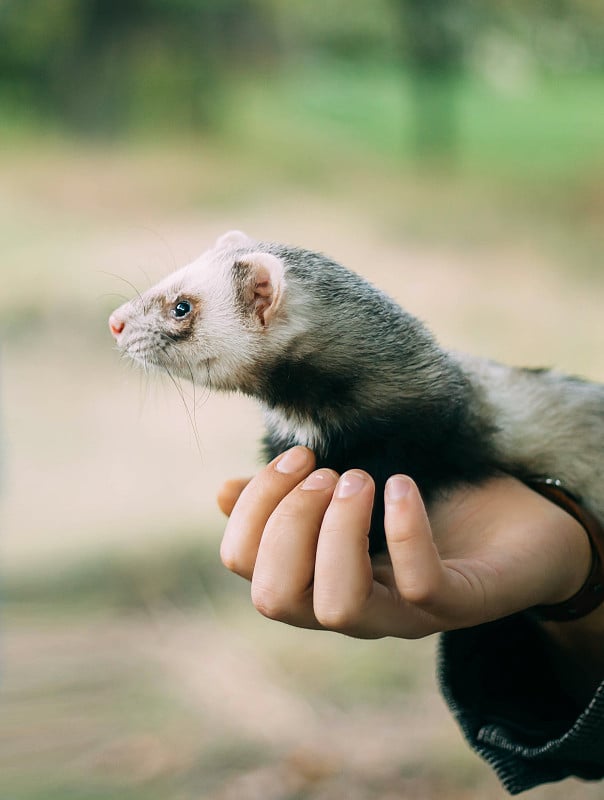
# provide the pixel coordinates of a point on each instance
(512, 710)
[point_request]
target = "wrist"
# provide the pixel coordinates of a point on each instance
(575, 560)
(587, 548)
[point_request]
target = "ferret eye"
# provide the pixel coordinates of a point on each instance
(181, 309)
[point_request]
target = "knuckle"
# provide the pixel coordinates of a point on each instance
(269, 603)
(286, 515)
(292, 513)
(233, 561)
(335, 618)
(421, 594)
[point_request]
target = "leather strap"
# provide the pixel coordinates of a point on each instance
(591, 594)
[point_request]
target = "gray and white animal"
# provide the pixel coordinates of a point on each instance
(340, 367)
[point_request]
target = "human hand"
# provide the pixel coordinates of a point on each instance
(300, 537)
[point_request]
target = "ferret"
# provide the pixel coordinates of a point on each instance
(339, 367)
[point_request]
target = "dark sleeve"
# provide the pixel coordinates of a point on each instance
(496, 681)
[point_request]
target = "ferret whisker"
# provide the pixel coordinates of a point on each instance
(146, 275)
(208, 380)
(164, 241)
(188, 363)
(205, 395)
(190, 416)
(113, 294)
(194, 385)
(129, 283)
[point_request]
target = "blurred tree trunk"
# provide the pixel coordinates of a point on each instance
(89, 79)
(432, 50)
(175, 53)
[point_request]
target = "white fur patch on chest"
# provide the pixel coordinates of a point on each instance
(304, 432)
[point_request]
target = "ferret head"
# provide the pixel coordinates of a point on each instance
(214, 320)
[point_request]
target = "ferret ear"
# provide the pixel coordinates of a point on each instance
(233, 239)
(259, 285)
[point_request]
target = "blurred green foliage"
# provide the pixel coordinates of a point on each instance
(100, 65)
(404, 70)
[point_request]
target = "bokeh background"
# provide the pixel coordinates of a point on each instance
(451, 152)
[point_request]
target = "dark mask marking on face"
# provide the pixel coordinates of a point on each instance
(180, 322)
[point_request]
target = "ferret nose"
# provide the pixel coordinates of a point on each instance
(116, 324)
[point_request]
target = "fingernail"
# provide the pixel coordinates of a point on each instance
(322, 479)
(350, 484)
(292, 461)
(397, 487)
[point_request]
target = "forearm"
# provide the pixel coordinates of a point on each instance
(529, 696)
(573, 631)
(529, 693)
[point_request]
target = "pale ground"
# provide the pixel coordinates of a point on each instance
(179, 705)
(99, 458)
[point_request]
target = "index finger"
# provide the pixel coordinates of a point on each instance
(229, 493)
(256, 503)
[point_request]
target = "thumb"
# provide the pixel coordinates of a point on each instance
(229, 492)
(418, 570)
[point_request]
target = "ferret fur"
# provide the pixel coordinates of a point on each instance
(339, 367)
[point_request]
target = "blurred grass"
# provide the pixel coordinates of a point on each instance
(548, 128)
(529, 159)
(184, 575)
(323, 114)
(188, 577)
